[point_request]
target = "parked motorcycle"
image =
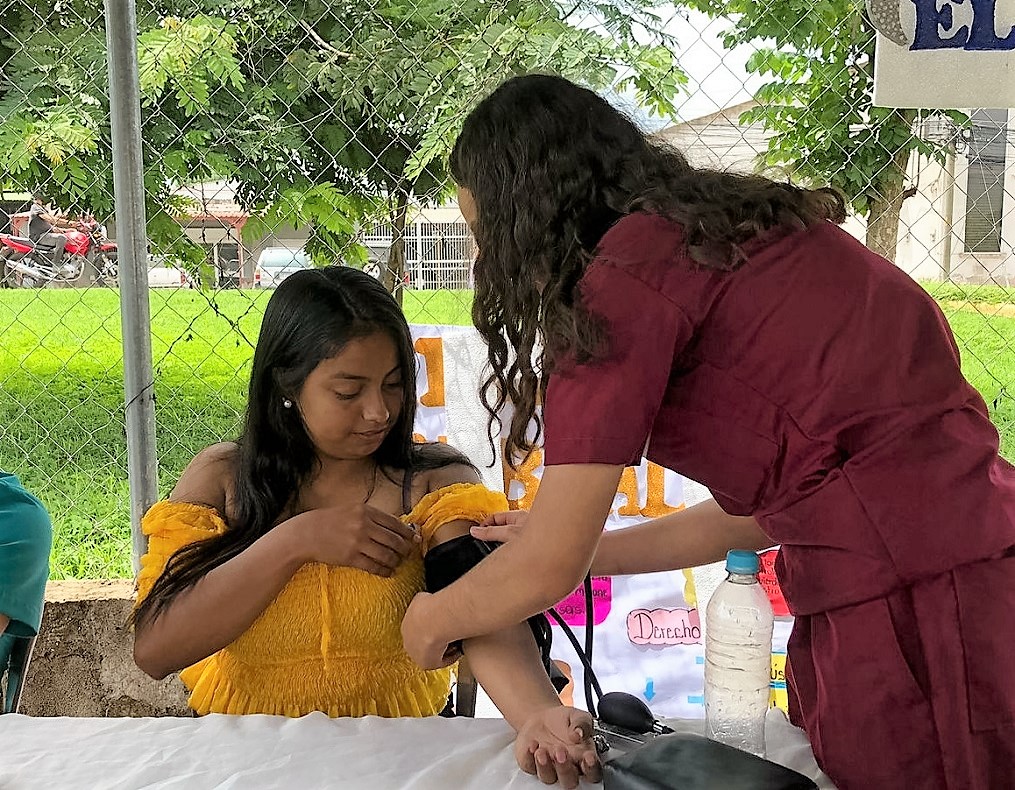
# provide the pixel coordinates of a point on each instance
(27, 264)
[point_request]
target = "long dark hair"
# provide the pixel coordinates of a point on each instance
(552, 166)
(309, 318)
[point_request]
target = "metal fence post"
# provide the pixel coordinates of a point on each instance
(132, 239)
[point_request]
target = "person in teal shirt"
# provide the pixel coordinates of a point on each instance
(26, 536)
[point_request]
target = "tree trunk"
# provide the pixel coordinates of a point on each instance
(394, 275)
(889, 193)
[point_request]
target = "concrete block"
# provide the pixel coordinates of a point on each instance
(83, 663)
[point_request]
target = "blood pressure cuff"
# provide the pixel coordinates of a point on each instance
(447, 562)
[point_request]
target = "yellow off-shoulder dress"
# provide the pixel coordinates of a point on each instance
(331, 639)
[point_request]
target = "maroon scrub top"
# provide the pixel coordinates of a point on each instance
(818, 389)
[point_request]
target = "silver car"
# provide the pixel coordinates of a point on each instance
(274, 264)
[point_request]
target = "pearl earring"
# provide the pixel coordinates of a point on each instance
(286, 403)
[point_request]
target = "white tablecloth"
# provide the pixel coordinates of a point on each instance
(254, 752)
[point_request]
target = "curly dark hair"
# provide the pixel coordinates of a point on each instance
(551, 167)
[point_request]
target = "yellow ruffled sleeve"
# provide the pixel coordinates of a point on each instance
(171, 526)
(459, 502)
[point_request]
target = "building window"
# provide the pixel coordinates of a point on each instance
(444, 256)
(438, 255)
(985, 180)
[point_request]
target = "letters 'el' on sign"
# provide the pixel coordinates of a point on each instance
(971, 25)
(944, 54)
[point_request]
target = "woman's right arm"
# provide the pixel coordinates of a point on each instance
(696, 536)
(216, 610)
(699, 535)
(210, 615)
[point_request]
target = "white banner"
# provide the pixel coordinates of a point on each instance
(648, 632)
(944, 54)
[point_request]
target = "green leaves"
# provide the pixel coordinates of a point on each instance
(318, 113)
(817, 60)
(189, 58)
(655, 78)
(319, 205)
(55, 134)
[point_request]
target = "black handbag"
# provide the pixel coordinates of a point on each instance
(652, 756)
(691, 762)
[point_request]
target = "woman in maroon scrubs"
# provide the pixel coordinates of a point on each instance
(726, 328)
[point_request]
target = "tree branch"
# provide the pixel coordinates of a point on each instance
(322, 43)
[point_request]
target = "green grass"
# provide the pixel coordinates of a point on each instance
(987, 345)
(61, 394)
(962, 292)
(61, 400)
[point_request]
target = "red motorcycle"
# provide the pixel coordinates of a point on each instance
(28, 264)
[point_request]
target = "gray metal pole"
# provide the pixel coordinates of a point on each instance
(132, 257)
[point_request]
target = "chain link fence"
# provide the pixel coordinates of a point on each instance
(283, 135)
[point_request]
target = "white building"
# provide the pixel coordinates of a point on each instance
(438, 246)
(959, 224)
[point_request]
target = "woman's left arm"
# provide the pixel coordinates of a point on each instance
(526, 576)
(506, 662)
(553, 741)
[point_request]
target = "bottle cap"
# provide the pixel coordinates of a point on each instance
(738, 561)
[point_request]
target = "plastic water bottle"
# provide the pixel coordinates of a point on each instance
(738, 656)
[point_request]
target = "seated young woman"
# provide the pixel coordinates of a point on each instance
(280, 567)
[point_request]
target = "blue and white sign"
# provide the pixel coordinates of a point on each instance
(947, 54)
